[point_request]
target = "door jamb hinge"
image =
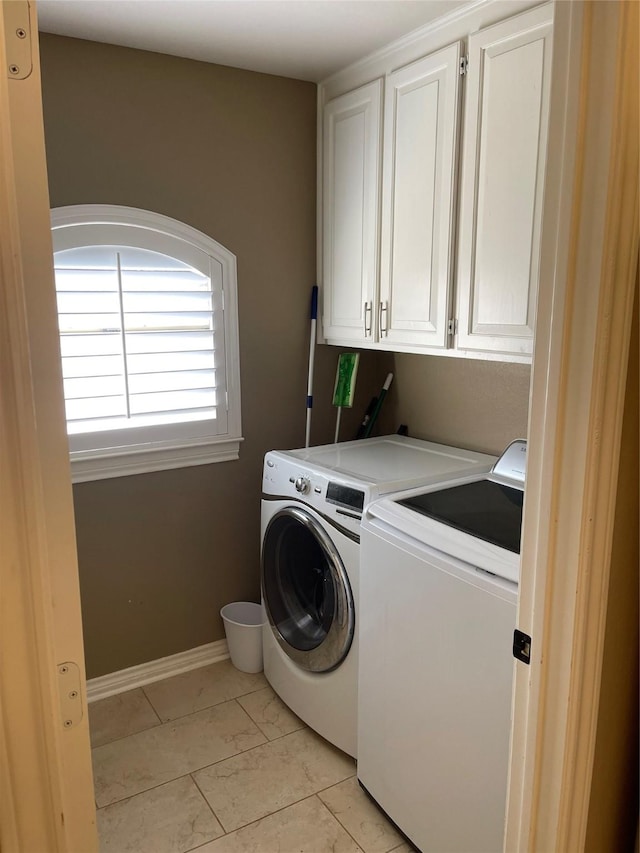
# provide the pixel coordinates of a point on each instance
(17, 29)
(452, 327)
(464, 65)
(69, 693)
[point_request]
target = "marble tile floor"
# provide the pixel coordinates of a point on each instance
(212, 761)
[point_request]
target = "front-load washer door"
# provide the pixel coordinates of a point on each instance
(306, 591)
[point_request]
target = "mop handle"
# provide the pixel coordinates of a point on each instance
(312, 353)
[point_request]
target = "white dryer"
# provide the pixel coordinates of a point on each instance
(437, 641)
(312, 505)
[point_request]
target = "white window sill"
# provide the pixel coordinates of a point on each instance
(123, 462)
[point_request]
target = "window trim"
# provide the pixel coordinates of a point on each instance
(181, 451)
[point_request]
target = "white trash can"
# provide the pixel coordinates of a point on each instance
(243, 628)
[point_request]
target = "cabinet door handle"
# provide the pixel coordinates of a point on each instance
(384, 314)
(368, 309)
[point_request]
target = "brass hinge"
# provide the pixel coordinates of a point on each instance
(464, 65)
(17, 30)
(69, 692)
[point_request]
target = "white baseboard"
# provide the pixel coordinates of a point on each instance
(155, 670)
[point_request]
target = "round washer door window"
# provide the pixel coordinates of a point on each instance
(306, 591)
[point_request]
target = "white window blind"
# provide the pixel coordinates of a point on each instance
(144, 339)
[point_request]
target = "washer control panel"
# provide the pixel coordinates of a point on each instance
(302, 485)
(284, 478)
(345, 496)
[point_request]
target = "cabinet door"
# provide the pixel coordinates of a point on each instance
(505, 137)
(421, 112)
(351, 179)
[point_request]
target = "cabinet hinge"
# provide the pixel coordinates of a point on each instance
(464, 65)
(452, 327)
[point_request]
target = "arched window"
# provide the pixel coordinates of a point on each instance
(147, 311)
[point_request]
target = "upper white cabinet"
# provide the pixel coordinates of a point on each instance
(420, 130)
(406, 301)
(395, 222)
(351, 180)
(503, 160)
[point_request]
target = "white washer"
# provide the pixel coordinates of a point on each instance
(437, 641)
(312, 507)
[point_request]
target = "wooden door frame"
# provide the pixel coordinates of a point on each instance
(46, 786)
(589, 257)
(589, 249)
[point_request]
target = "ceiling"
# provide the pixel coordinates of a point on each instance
(304, 39)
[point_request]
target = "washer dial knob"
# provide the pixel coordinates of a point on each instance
(302, 485)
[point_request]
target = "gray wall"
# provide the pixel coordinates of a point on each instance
(231, 153)
(480, 405)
